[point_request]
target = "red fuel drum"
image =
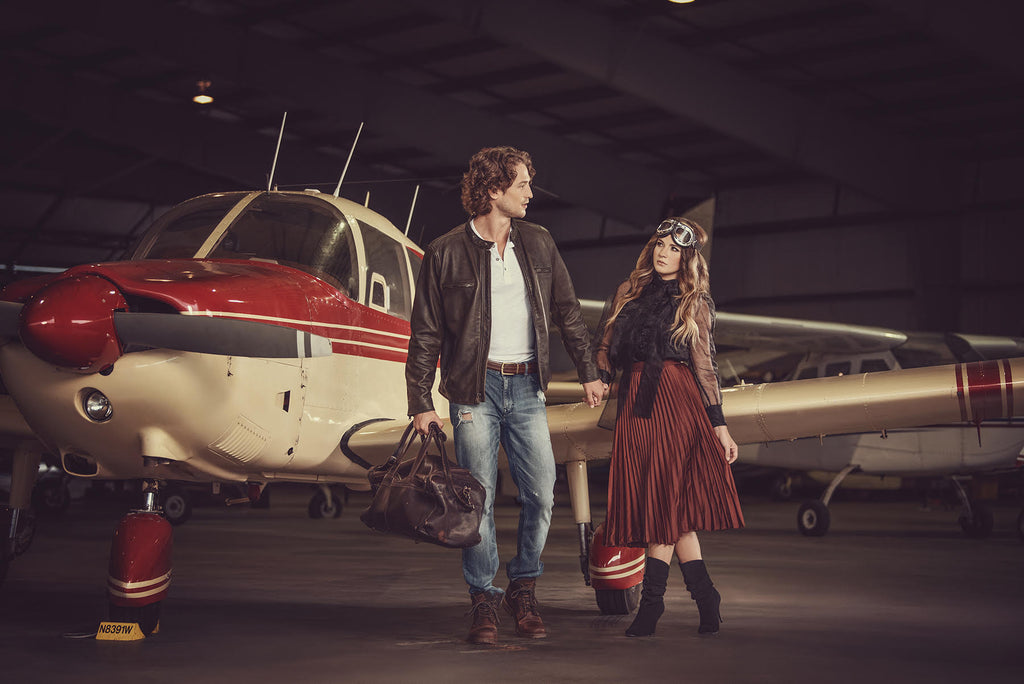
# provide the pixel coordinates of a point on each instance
(140, 560)
(614, 567)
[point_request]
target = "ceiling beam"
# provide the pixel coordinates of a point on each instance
(891, 169)
(393, 110)
(989, 29)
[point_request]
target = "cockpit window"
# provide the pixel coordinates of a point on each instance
(294, 231)
(180, 232)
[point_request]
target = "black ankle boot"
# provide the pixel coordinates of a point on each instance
(701, 589)
(652, 600)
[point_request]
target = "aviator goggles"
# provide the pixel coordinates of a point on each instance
(682, 234)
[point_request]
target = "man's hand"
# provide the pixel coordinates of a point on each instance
(728, 443)
(594, 392)
(421, 421)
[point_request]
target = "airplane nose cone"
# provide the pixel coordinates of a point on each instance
(70, 323)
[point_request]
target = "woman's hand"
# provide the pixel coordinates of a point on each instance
(728, 443)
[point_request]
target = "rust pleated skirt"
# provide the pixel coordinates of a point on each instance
(668, 473)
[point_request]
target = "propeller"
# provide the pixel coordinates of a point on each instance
(224, 336)
(81, 323)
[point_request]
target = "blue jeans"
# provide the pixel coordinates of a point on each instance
(513, 415)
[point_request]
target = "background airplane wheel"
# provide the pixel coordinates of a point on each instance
(177, 505)
(148, 617)
(782, 488)
(979, 524)
(26, 532)
(618, 601)
(321, 507)
(4, 562)
(813, 519)
(51, 496)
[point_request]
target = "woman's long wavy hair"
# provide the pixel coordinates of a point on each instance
(692, 278)
(491, 169)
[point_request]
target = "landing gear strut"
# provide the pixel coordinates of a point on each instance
(813, 518)
(615, 573)
(976, 520)
(140, 564)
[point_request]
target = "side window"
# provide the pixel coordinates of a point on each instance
(387, 275)
(838, 368)
(873, 365)
(808, 372)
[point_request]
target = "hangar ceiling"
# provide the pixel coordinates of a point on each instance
(626, 104)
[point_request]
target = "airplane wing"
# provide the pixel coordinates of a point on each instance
(785, 334)
(868, 402)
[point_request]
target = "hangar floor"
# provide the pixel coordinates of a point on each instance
(894, 593)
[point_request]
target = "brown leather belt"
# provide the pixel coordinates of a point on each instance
(513, 368)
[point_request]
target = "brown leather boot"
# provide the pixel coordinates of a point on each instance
(485, 619)
(521, 603)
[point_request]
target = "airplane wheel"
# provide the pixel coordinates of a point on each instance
(148, 617)
(263, 501)
(320, 507)
(813, 519)
(177, 505)
(51, 497)
(26, 532)
(4, 562)
(980, 524)
(618, 601)
(782, 488)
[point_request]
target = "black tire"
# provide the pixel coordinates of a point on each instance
(322, 507)
(26, 532)
(177, 505)
(147, 617)
(618, 601)
(51, 497)
(782, 488)
(263, 501)
(979, 524)
(5, 561)
(813, 519)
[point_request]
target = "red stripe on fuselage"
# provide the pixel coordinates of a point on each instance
(960, 391)
(986, 390)
(1008, 381)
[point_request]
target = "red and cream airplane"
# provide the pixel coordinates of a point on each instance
(257, 337)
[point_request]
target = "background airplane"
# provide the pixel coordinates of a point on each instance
(255, 337)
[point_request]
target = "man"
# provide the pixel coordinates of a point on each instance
(484, 298)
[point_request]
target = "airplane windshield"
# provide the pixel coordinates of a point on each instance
(180, 233)
(295, 231)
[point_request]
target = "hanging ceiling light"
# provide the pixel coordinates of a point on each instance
(201, 96)
(680, 2)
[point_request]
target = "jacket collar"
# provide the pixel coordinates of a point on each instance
(478, 241)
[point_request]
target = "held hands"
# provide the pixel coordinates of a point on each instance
(728, 443)
(594, 392)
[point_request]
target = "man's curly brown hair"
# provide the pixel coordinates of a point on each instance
(491, 169)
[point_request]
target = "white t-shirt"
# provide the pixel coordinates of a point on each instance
(511, 327)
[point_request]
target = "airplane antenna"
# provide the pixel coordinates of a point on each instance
(337, 188)
(270, 180)
(413, 207)
(366, 200)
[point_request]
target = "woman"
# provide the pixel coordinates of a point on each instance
(671, 450)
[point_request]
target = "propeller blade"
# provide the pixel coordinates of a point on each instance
(224, 336)
(9, 312)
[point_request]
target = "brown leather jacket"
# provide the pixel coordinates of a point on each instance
(451, 315)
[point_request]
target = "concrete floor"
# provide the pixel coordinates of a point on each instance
(894, 593)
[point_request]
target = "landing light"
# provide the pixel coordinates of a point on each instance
(97, 406)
